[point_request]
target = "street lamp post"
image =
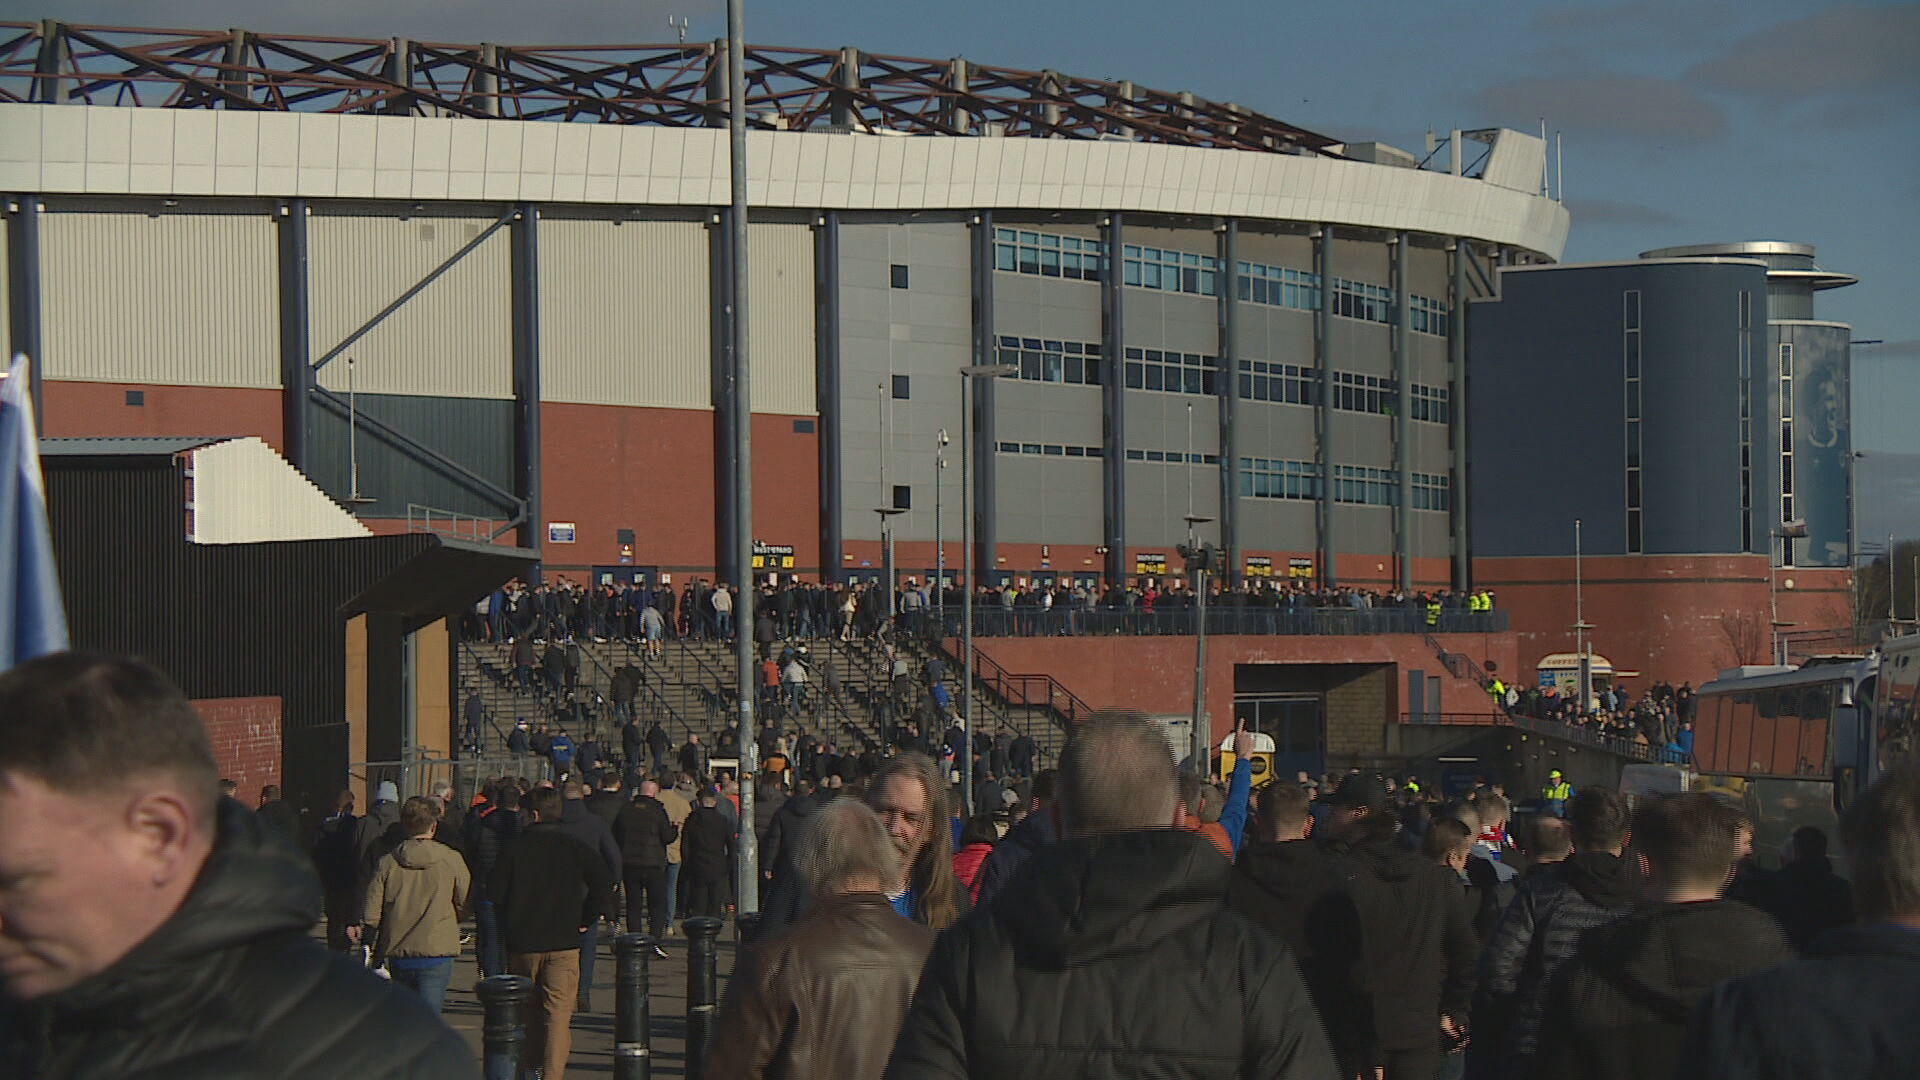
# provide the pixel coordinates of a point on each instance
(1202, 735)
(940, 535)
(967, 375)
(747, 869)
(1787, 532)
(1584, 682)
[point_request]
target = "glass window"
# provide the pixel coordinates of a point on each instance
(901, 387)
(897, 275)
(1136, 376)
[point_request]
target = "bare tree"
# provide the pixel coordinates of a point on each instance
(1745, 635)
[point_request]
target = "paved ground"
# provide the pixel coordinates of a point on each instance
(593, 1031)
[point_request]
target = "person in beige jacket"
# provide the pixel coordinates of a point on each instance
(414, 904)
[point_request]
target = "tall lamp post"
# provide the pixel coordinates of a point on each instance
(967, 375)
(1200, 559)
(747, 862)
(940, 534)
(1787, 532)
(1584, 681)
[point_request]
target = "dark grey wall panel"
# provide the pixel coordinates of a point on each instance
(475, 432)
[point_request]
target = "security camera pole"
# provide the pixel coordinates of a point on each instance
(1200, 560)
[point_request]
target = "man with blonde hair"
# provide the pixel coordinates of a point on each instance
(1114, 950)
(826, 997)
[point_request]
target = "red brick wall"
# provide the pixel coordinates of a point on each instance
(786, 489)
(1660, 615)
(246, 741)
(100, 409)
(609, 467)
(1155, 674)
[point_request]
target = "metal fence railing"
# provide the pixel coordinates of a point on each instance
(1036, 621)
(419, 776)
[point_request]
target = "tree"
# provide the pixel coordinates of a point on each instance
(1745, 635)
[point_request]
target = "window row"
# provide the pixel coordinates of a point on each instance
(1173, 372)
(1076, 363)
(1170, 271)
(1430, 491)
(1432, 404)
(1363, 485)
(1049, 450)
(1267, 478)
(1021, 251)
(1173, 457)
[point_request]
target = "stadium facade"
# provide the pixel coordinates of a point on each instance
(1212, 313)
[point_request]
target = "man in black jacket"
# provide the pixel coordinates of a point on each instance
(154, 929)
(643, 830)
(1807, 897)
(1288, 884)
(588, 828)
(1619, 1007)
(1417, 946)
(550, 888)
(1117, 947)
(706, 856)
(490, 828)
(1845, 1008)
(1541, 930)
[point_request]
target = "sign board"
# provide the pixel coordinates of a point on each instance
(772, 556)
(560, 532)
(1259, 566)
(1299, 568)
(1154, 564)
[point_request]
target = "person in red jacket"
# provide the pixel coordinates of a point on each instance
(976, 843)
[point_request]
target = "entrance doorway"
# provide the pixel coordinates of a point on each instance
(1296, 722)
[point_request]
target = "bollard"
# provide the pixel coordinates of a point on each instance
(746, 927)
(703, 990)
(503, 1032)
(632, 1008)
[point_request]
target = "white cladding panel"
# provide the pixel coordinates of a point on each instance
(454, 339)
(171, 299)
(52, 148)
(624, 316)
(244, 492)
(780, 317)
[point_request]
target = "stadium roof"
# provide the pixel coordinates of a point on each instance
(674, 85)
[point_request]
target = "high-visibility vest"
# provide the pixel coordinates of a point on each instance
(1473, 601)
(1433, 613)
(1498, 690)
(1561, 791)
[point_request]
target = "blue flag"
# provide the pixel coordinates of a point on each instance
(32, 622)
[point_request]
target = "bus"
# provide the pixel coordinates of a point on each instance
(1896, 726)
(1790, 746)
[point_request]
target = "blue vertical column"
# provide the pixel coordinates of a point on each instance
(826, 392)
(1403, 386)
(1457, 431)
(296, 339)
(23, 299)
(1227, 382)
(1325, 549)
(727, 409)
(1113, 391)
(980, 405)
(525, 262)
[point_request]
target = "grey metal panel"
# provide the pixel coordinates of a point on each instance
(1282, 432)
(923, 332)
(1690, 431)
(625, 312)
(1045, 308)
(1276, 249)
(1158, 498)
(181, 298)
(1363, 439)
(1277, 525)
(1279, 335)
(1159, 320)
(780, 264)
(455, 338)
(1366, 535)
(1053, 501)
(477, 432)
(1362, 260)
(1047, 413)
(1362, 347)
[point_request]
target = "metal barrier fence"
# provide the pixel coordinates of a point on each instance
(1035, 621)
(418, 776)
(1574, 733)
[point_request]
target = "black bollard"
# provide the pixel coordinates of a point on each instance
(746, 927)
(703, 990)
(632, 1008)
(503, 1033)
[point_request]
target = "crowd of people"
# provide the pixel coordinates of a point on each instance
(1112, 917)
(1659, 725)
(564, 610)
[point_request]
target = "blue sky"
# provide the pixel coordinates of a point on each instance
(1685, 121)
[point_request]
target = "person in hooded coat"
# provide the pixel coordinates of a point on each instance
(1117, 948)
(1807, 897)
(1030, 834)
(1618, 1010)
(1541, 929)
